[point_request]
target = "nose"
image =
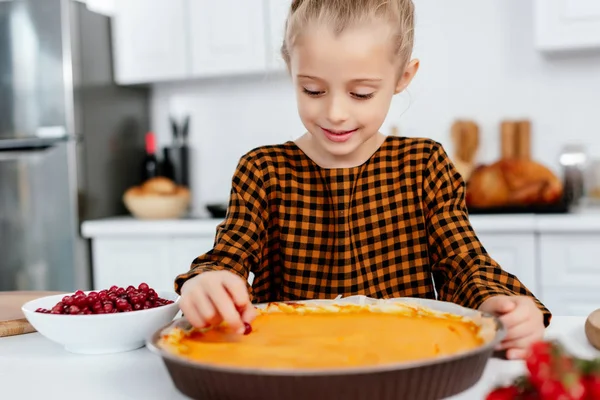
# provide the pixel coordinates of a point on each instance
(337, 111)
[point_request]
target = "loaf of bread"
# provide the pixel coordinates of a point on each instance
(511, 182)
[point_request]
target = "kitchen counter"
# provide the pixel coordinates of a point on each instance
(584, 220)
(32, 367)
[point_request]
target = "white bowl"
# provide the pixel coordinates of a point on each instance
(99, 333)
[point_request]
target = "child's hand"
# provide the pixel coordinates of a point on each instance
(216, 296)
(523, 320)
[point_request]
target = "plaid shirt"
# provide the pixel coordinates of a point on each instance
(395, 226)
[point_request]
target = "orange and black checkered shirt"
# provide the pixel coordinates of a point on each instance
(395, 226)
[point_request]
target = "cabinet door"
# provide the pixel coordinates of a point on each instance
(570, 260)
(571, 301)
(567, 24)
(131, 261)
(278, 11)
(183, 250)
(150, 40)
(227, 36)
(516, 254)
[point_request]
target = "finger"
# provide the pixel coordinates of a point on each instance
(519, 331)
(226, 308)
(505, 305)
(207, 309)
(192, 315)
(521, 343)
(516, 354)
(249, 314)
(515, 317)
(238, 291)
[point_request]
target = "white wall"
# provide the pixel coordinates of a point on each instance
(478, 62)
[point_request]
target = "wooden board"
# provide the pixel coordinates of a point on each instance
(12, 320)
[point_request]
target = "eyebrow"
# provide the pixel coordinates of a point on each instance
(358, 80)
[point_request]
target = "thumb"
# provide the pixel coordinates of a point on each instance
(499, 305)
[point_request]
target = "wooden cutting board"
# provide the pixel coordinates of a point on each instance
(12, 320)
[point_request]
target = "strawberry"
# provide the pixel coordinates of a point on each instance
(503, 393)
(590, 369)
(554, 374)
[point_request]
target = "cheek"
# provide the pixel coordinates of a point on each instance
(307, 108)
(375, 111)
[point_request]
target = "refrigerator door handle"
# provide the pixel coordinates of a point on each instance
(15, 155)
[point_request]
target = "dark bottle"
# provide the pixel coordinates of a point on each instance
(168, 170)
(150, 165)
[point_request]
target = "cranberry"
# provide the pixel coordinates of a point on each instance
(152, 292)
(143, 287)
(113, 288)
(80, 300)
(122, 304)
(79, 293)
(108, 307)
(130, 288)
(93, 297)
(112, 297)
(120, 291)
(248, 328)
(74, 310)
(137, 306)
(103, 295)
(55, 311)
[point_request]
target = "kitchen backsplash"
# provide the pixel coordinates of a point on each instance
(485, 69)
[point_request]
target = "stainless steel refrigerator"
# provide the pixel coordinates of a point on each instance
(71, 141)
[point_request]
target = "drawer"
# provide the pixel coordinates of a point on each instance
(570, 260)
(571, 301)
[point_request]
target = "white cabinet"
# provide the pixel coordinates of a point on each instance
(570, 265)
(567, 24)
(571, 301)
(156, 260)
(131, 261)
(184, 250)
(150, 41)
(516, 254)
(278, 12)
(227, 36)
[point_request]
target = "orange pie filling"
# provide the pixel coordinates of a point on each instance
(304, 337)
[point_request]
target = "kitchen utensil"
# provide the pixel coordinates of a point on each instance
(12, 319)
(430, 379)
(515, 139)
(100, 333)
(573, 159)
(465, 136)
(592, 329)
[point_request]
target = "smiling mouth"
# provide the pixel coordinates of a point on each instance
(334, 132)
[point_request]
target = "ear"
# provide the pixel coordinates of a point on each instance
(407, 76)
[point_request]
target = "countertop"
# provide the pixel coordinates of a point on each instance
(32, 367)
(584, 220)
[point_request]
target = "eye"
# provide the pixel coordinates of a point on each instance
(312, 93)
(360, 96)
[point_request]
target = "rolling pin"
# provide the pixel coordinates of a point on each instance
(592, 328)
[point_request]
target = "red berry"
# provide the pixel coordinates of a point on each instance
(503, 393)
(79, 293)
(93, 297)
(144, 287)
(74, 310)
(248, 328)
(113, 288)
(108, 307)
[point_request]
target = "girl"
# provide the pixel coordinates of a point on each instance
(345, 210)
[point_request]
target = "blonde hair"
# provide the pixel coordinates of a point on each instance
(341, 14)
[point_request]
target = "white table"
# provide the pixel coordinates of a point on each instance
(32, 367)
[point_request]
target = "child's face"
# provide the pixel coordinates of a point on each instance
(345, 84)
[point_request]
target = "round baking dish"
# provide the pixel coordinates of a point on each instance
(428, 379)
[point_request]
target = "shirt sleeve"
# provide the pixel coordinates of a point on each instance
(463, 271)
(240, 237)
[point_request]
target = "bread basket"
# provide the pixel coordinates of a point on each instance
(430, 379)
